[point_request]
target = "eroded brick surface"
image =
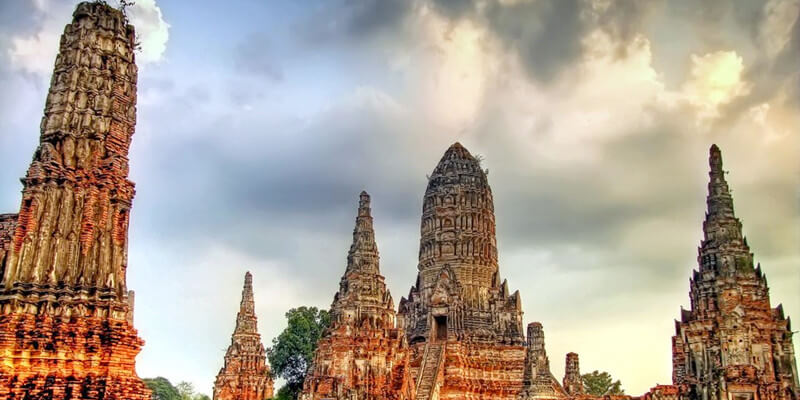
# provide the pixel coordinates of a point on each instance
(66, 328)
(363, 355)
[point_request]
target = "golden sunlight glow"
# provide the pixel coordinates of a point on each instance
(716, 79)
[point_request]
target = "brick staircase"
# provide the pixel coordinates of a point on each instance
(432, 362)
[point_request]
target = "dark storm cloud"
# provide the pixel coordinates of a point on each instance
(544, 208)
(352, 19)
(769, 75)
(276, 189)
(454, 8)
(547, 34)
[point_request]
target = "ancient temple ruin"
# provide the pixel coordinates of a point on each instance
(363, 355)
(245, 374)
(731, 344)
(66, 316)
(464, 328)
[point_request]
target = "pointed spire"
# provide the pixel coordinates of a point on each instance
(363, 254)
(246, 319)
(721, 224)
(719, 202)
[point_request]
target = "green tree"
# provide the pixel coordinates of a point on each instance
(162, 388)
(601, 383)
(292, 351)
(185, 390)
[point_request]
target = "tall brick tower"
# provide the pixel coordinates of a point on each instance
(245, 374)
(66, 326)
(459, 316)
(572, 382)
(731, 344)
(363, 355)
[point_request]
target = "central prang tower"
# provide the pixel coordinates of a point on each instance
(464, 328)
(458, 293)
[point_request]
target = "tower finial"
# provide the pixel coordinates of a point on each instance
(246, 319)
(719, 201)
(363, 252)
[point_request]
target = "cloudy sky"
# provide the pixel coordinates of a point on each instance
(260, 121)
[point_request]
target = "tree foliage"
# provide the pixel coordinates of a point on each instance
(599, 383)
(292, 351)
(163, 389)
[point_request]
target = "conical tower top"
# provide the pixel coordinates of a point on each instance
(456, 150)
(363, 254)
(246, 321)
(719, 202)
(721, 229)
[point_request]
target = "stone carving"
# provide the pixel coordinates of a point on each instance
(363, 355)
(65, 312)
(731, 344)
(245, 374)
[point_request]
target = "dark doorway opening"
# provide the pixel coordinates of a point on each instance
(440, 323)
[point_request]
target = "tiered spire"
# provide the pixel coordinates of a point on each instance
(246, 321)
(721, 226)
(363, 254)
(731, 338)
(245, 374)
(362, 291)
(363, 355)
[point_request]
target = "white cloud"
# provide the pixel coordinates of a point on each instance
(152, 30)
(35, 53)
(716, 79)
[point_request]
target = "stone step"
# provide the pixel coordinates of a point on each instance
(429, 370)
